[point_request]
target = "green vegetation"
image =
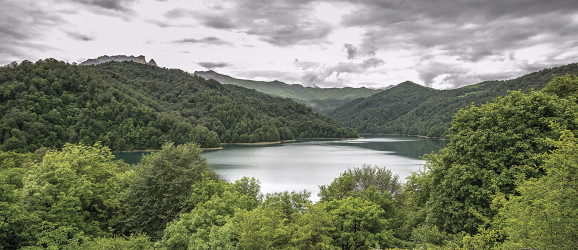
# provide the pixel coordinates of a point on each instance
(507, 180)
(130, 106)
(322, 100)
(412, 109)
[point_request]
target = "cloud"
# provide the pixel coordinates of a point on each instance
(211, 40)
(22, 25)
(351, 50)
(372, 62)
(277, 22)
(305, 65)
(213, 65)
(468, 31)
(114, 5)
(80, 36)
(317, 75)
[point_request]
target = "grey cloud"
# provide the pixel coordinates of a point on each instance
(305, 65)
(22, 24)
(213, 65)
(115, 5)
(468, 30)
(277, 22)
(80, 36)
(372, 62)
(317, 75)
(207, 40)
(270, 74)
(351, 50)
(291, 34)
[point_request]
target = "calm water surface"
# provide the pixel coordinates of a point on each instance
(307, 164)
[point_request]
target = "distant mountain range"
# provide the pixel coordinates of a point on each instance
(119, 58)
(322, 100)
(412, 109)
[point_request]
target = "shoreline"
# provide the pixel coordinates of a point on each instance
(333, 138)
(257, 143)
(420, 136)
(241, 143)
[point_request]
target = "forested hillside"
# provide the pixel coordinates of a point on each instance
(507, 180)
(411, 109)
(130, 106)
(322, 100)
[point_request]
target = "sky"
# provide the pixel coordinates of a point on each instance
(330, 43)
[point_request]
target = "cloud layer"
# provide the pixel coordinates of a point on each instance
(438, 43)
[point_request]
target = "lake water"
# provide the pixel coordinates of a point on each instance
(306, 164)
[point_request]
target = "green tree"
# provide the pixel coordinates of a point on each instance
(313, 228)
(133, 242)
(491, 145)
(162, 185)
(356, 180)
(545, 214)
(563, 86)
(215, 222)
(74, 194)
(359, 224)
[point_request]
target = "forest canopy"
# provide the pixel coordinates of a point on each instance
(130, 106)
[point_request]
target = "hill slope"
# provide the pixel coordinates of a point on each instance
(321, 100)
(129, 106)
(412, 109)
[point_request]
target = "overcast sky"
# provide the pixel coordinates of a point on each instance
(330, 43)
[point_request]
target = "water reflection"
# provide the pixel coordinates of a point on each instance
(307, 164)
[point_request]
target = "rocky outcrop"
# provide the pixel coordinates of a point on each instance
(119, 58)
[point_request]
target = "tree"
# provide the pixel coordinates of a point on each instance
(313, 228)
(162, 185)
(359, 224)
(74, 194)
(545, 214)
(491, 146)
(215, 220)
(563, 86)
(356, 180)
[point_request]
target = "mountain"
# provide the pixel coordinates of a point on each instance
(412, 109)
(133, 106)
(322, 100)
(119, 58)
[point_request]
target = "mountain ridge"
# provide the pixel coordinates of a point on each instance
(321, 100)
(413, 109)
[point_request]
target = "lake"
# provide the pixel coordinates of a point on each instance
(306, 164)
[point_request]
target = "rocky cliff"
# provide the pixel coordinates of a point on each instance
(119, 58)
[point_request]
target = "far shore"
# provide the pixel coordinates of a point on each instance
(335, 138)
(257, 143)
(239, 143)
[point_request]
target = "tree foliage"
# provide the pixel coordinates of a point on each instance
(129, 106)
(162, 185)
(74, 194)
(492, 146)
(545, 214)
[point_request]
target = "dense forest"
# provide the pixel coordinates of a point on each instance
(322, 100)
(131, 106)
(508, 179)
(412, 109)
